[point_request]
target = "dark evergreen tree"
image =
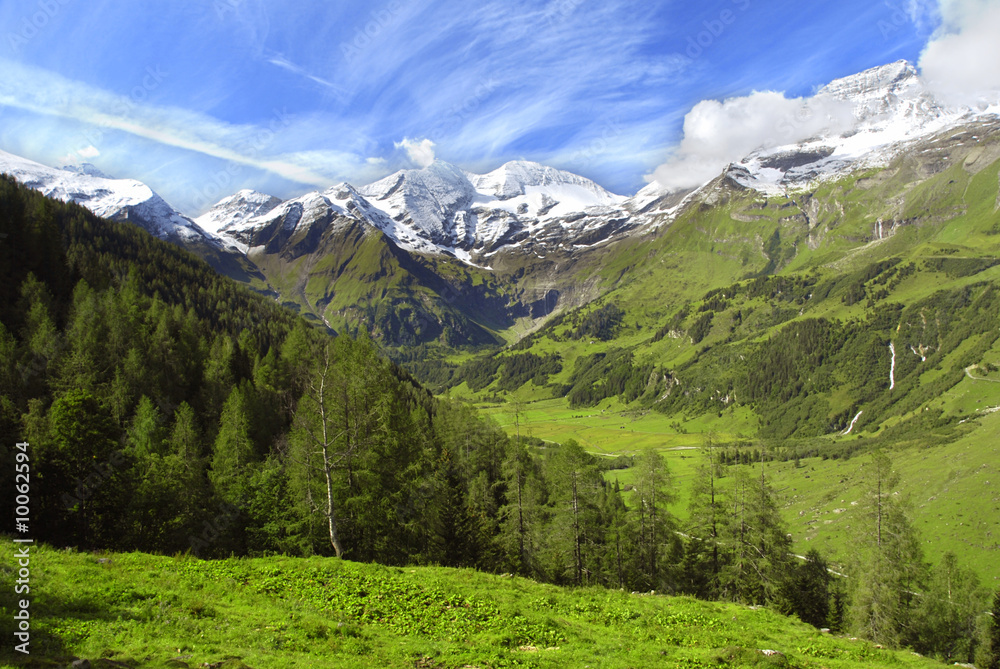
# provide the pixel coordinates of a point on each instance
(78, 455)
(707, 518)
(947, 613)
(575, 532)
(652, 525)
(886, 564)
(808, 591)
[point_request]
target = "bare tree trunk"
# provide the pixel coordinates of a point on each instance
(578, 553)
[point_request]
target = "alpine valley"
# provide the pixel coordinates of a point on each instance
(816, 300)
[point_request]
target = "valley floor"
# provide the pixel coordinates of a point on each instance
(953, 489)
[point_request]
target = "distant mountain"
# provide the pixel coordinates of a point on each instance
(892, 109)
(424, 255)
(132, 201)
(232, 211)
(115, 199)
(442, 209)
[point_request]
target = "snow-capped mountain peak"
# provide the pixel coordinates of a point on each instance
(88, 169)
(428, 200)
(890, 90)
(514, 178)
(892, 108)
(232, 211)
(117, 199)
(441, 209)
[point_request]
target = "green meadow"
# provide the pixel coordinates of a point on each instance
(138, 610)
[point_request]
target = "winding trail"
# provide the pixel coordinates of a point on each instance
(968, 373)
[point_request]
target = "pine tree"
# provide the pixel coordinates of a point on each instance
(233, 454)
(759, 546)
(809, 591)
(617, 541)
(704, 560)
(947, 613)
(575, 482)
(146, 434)
(887, 561)
(517, 514)
(653, 524)
(79, 457)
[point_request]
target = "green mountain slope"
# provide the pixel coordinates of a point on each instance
(136, 610)
(787, 305)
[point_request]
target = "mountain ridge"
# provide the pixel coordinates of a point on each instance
(524, 241)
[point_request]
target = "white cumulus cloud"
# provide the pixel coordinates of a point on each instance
(718, 133)
(89, 152)
(420, 151)
(962, 62)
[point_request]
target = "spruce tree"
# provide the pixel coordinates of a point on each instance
(79, 457)
(520, 514)
(758, 544)
(704, 554)
(947, 613)
(809, 591)
(886, 562)
(653, 526)
(233, 454)
(575, 482)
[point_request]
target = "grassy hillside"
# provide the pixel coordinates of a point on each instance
(137, 610)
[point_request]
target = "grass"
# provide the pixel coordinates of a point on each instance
(136, 610)
(953, 492)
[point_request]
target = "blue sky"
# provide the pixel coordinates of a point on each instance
(201, 98)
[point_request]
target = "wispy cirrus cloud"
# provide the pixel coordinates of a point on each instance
(282, 62)
(99, 112)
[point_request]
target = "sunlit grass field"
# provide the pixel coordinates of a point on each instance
(135, 610)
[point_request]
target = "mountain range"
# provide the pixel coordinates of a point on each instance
(443, 255)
